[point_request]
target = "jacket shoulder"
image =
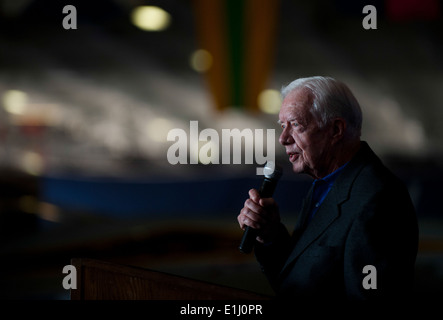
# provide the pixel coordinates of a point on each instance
(368, 174)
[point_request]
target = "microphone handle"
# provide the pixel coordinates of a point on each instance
(248, 240)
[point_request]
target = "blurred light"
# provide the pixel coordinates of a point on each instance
(32, 163)
(415, 134)
(158, 129)
(44, 210)
(269, 101)
(201, 60)
(404, 131)
(47, 211)
(150, 18)
(15, 101)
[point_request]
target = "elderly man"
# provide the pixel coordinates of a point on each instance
(356, 237)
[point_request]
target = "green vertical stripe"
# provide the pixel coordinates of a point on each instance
(235, 25)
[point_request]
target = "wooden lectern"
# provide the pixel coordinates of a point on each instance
(99, 280)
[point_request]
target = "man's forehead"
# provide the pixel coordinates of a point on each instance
(294, 106)
(291, 111)
(299, 96)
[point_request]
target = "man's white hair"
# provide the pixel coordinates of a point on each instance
(331, 99)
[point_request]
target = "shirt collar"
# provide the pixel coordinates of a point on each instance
(330, 178)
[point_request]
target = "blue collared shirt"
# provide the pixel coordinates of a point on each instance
(321, 189)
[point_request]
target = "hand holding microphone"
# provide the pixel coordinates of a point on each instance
(260, 215)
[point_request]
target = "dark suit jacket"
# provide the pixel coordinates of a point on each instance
(367, 218)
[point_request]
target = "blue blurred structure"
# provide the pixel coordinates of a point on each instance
(124, 198)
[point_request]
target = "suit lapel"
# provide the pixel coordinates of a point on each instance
(325, 215)
(304, 213)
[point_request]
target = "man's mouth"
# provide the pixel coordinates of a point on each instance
(293, 156)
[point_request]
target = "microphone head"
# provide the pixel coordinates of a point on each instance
(272, 170)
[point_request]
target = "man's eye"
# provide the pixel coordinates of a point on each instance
(291, 123)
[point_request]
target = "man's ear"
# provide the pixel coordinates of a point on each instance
(338, 129)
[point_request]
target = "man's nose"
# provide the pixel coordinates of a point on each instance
(285, 137)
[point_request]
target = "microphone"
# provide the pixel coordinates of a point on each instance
(272, 173)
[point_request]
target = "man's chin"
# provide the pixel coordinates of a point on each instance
(297, 167)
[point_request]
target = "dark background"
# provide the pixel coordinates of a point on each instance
(83, 175)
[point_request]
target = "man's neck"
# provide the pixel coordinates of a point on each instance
(343, 154)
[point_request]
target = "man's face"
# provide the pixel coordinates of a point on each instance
(307, 145)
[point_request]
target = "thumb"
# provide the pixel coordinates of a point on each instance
(267, 202)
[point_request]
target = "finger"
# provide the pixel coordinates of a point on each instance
(241, 218)
(260, 239)
(253, 219)
(254, 207)
(254, 195)
(267, 202)
(246, 218)
(248, 222)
